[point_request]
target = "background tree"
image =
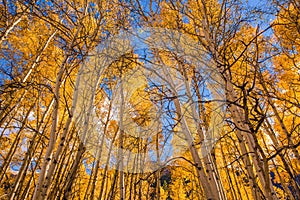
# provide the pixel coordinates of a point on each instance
(49, 47)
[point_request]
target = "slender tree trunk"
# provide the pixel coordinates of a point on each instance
(231, 186)
(106, 167)
(121, 143)
(40, 189)
(14, 147)
(29, 154)
(210, 192)
(72, 174)
(209, 162)
(260, 166)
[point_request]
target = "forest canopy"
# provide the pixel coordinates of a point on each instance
(149, 99)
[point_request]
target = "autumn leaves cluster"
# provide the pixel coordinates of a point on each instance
(216, 120)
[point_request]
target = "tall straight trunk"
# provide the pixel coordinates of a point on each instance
(277, 116)
(112, 191)
(29, 154)
(231, 186)
(40, 187)
(72, 175)
(260, 166)
(157, 174)
(121, 144)
(25, 194)
(208, 184)
(209, 161)
(43, 183)
(284, 185)
(62, 174)
(14, 146)
(272, 135)
(99, 153)
(63, 137)
(102, 192)
(93, 178)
